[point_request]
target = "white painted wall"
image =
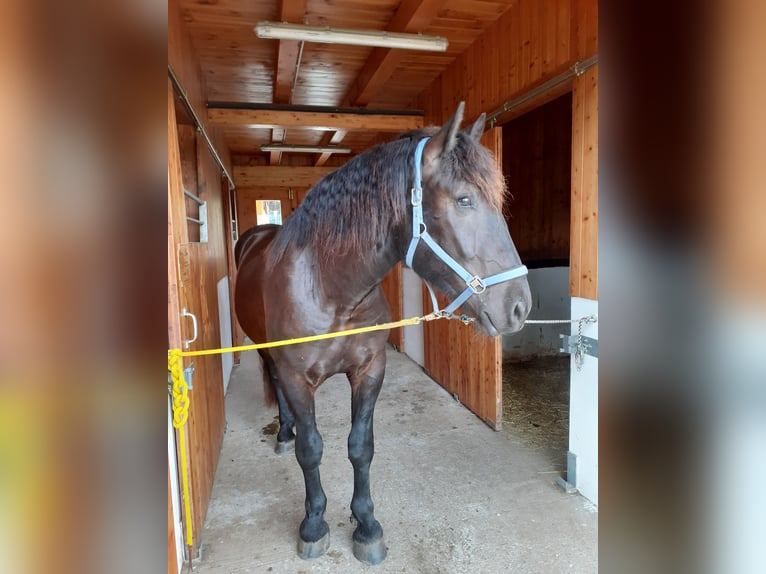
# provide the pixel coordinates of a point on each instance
(583, 410)
(224, 322)
(412, 299)
(175, 497)
(550, 300)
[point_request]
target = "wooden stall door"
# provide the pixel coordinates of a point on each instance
(467, 364)
(193, 271)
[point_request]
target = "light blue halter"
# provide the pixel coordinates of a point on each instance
(475, 284)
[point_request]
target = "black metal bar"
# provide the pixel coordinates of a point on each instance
(198, 123)
(575, 70)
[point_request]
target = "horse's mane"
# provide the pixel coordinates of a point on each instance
(353, 208)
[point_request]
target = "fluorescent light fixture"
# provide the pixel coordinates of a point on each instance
(305, 148)
(284, 31)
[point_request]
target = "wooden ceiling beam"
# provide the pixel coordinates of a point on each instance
(287, 66)
(278, 176)
(270, 118)
(412, 16)
(277, 136)
(292, 11)
(332, 138)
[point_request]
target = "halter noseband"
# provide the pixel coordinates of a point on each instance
(475, 284)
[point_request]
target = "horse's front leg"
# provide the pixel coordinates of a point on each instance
(314, 533)
(365, 387)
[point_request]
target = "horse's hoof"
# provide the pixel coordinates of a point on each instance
(370, 552)
(309, 550)
(283, 447)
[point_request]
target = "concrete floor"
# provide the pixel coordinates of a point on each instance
(452, 495)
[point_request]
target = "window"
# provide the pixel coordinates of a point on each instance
(268, 211)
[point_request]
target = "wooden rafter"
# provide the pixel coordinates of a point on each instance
(287, 66)
(412, 16)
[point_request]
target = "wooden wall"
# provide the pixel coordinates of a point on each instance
(195, 268)
(583, 277)
(537, 153)
(530, 44)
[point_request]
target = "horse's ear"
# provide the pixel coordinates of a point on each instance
(445, 138)
(477, 129)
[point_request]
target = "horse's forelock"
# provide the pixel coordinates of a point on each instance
(471, 162)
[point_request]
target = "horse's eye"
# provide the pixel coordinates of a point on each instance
(464, 201)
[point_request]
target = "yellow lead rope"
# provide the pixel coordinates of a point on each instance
(309, 339)
(181, 389)
(180, 416)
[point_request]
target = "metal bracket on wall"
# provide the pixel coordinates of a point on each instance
(570, 344)
(188, 376)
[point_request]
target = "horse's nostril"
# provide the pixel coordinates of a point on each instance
(520, 311)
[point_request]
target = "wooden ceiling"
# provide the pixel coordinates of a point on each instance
(241, 71)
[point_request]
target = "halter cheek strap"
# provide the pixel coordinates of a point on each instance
(474, 283)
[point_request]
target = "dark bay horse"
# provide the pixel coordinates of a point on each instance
(433, 199)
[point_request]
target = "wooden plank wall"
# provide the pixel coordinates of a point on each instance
(247, 196)
(537, 154)
(531, 43)
(583, 277)
(198, 268)
(465, 363)
(185, 64)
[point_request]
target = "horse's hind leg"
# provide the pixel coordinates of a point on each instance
(365, 387)
(285, 436)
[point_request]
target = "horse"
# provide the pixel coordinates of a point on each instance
(433, 199)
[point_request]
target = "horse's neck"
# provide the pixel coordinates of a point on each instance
(351, 277)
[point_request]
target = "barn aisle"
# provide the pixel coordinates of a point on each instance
(452, 495)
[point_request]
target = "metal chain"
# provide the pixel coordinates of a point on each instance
(579, 355)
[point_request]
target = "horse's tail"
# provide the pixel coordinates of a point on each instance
(269, 381)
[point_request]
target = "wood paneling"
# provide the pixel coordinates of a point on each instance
(239, 67)
(202, 265)
(194, 270)
(530, 43)
(278, 176)
(537, 153)
(466, 363)
(583, 278)
(392, 287)
(314, 120)
(247, 196)
(185, 62)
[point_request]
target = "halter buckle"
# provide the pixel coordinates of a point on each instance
(476, 284)
(417, 196)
